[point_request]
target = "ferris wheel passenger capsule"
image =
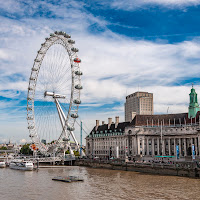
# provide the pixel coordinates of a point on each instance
(37, 60)
(77, 60)
(74, 49)
(34, 69)
(79, 73)
(30, 127)
(51, 34)
(29, 108)
(40, 52)
(69, 128)
(77, 101)
(78, 87)
(67, 35)
(56, 32)
(71, 41)
(29, 118)
(32, 79)
(30, 88)
(74, 115)
(65, 139)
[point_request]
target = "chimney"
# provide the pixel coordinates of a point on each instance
(103, 122)
(116, 121)
(109, 122)
(97, 124)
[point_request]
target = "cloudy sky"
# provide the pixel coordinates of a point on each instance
(150, 45)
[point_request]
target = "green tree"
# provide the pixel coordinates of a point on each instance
(3, 148)
(67, 152)
(26, 150)
(76, 153)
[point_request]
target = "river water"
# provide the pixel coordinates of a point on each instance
(98, 184)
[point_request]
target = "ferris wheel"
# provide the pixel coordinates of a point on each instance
(54, 94)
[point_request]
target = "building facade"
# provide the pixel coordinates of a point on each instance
(107, 140)
(145, 136)
(148, 136)
(138, 103)
(163, 135)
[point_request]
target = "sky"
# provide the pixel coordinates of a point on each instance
(125, 46)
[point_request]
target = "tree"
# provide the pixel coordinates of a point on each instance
(3, 148)
(67, 152)
(76, 153)
(26, 150)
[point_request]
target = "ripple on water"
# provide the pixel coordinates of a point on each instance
(98, 184)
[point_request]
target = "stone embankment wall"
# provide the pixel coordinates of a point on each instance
(187, 169)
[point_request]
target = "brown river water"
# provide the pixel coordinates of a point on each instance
(98, 184)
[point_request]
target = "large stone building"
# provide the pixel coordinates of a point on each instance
(140, 103)
(148, 136)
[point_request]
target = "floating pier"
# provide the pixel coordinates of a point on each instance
(68, 179)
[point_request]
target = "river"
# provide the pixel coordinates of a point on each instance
(98, 184)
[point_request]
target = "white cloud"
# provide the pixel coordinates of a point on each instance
(113, 65)
(23, 141)
(138, 4)
(3, 55)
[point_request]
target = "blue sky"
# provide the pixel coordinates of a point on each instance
(152, 45)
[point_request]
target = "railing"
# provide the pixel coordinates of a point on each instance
(46, 159)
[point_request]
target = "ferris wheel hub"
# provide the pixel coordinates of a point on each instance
(54, 95)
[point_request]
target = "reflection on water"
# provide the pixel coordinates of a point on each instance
(98, 184)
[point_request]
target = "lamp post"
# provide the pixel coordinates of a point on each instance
(161, 138)
(81, 139)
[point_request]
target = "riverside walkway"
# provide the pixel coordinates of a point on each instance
(187, 169)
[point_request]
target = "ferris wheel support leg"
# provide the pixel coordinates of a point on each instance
(62, 121)
(74, 138)
(64, 117)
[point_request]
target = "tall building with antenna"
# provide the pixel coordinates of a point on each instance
(140, 103)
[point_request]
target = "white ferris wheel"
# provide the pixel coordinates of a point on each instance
(54, 94)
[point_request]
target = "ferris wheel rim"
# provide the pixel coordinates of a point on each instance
(63, 39)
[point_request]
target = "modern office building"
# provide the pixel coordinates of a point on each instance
(138, 103)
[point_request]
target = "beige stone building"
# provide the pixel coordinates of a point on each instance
(107, 140)
(146, 136)
(159, 135)
(140, 103)
(174, 136)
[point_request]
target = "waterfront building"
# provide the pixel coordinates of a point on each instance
(106, 140)
(138, 103)
(148, 136)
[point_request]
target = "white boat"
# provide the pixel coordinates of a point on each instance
(2, 164)
(21, 165)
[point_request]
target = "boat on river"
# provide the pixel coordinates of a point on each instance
(21, 165)
(2, 164)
